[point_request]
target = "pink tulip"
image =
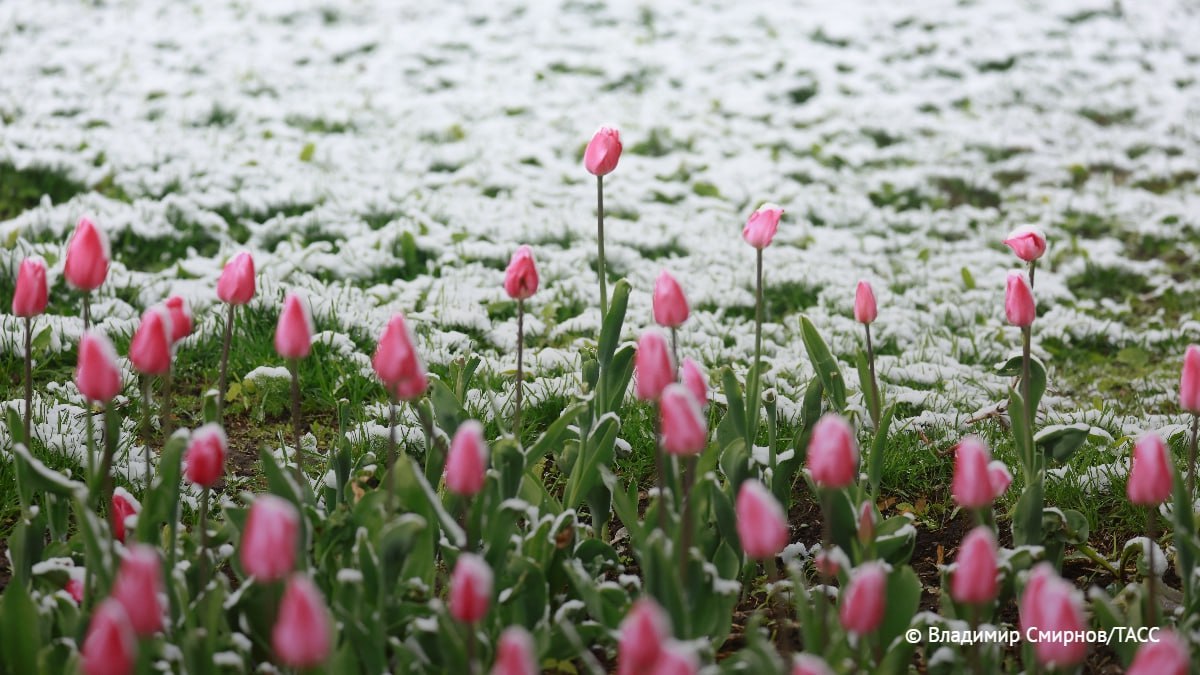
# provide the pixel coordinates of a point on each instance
(972, 483)
(602, 152)
(302, 636)
(829, 563)
(762, 225)
(694, 379)
(31, 294)
(521, 277)
(973, 580)
(864, 601)
(236, 285)
(653, 365)
(293, 334)
(123, 506)
(809, 664)
(761, 523)
(642, 635)
(866, 522)
(1168, 655)
(397, 362)
(96, 373)
(1189, 381)
(150, 348)
(470, 589)
(833, 452)
(865, 309)
(676, 659)
(1050, 605)
(74, 588)
(515, 653)
(684, 431)
(1150, 476)
(181, 317)
(138, 586)
(206, 454)
(1000, 478)
(87, 257)
(1019, 306)
(466, 465)
(670, 305)
(268, 546)
(110, 646)
(1027, 241)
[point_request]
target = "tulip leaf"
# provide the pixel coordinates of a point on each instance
(1037, 375)
(733, 425)
(824, 364)
(617, 376)
(614, 319)
(903, 598)
(21, 629)
(584, 472)
(1027, 516)
(37, 477)
(878, 448)
(1059, 442)
(867, 386)
(552, 436)
(162, 501)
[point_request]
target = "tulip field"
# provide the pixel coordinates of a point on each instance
(574, 337)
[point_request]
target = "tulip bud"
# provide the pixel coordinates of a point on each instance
(999, 477)
(181, 317)
(695, 381)
(87, 257)
(866, 523)
(96, 373)
(1027, 241)
(1050, 605)
(138, 586)
(123, 506)
(206, 454)
(31, 294)
(515, 653)
(302, 636)
(684, 431)
(865, 309)
(761, 523)
(676, 659)
(762, 225)
(74, 586)
(1168, 655)
(236, 285)
(643, 632)
(110, 646)
(397, 362)
(150, 348)
(973, 580)
(268, 546)
(833, 452)
(653, 366)
(293, 334)
(670, 305)
(1019, 306)
(466, 465)
(972, 483)
(470, 589)
(1189, 381)
(864, 601)
(521, 277)
(1150, 476)
(829, 563)
(602, 152)
(809, 664)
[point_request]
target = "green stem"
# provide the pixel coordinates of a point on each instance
(685, 526)
(602, 270)
(146, 427)
(393, 455)
(110, 449)
(87, 312)
(203, 578)
(675, 353)
(1032, 269)
(166, 419)
(660, 468)
(1151, 578)
(294, 367)
(28, 382)
(779, 609)
(520, 368)
(827, 549)
(223, 383)
(753, 395)
(1100, 560)
(1191, 484)
(875, 403)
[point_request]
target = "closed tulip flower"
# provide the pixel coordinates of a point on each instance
(123, 506)
(515, 653)
(865, 309)
(1189, 381)
(293, 334)
(684, 431)
(1050, 605)
(1168, 655)
(521, 277)
(603, 152)
(470, 589)
(761, 523)
(973, 580)
(236, 286)
(653, 366)
(809, 664)
(150, 348)
(830, 563)
(676, 659)
(670, 305)
(643, 633)
(205, 456)
(302, 635)
(866, 522)
(97, 374)
(1000, 478)
(833, 452)
(74, 587)
(972, 483)
(694, 379)
(181, 317)
(1027, 241)
(31, 294)
(762, 225)
(110, 646)
(87, 257)
(864, 599)
(466, 465)
(1150, 476)
(1019, 306)
(268, 546)
(397, 362)
(138, 586)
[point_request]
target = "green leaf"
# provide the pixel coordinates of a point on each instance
(865, 384)
(1027, 516)
(1061, 441)
(617, 376)
(162, 503)
(21, 629)
(823, 362)
(552, 436)
(878, 448)
(903, 598)
(610, 332)
(968, 279)
(1037, 375)
(735, 415)
(37, 477)
(307, 152)
(585, 474)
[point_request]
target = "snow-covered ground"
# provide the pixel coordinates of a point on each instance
(905, 139)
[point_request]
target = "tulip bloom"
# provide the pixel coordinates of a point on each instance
(302, 636)
(293, 334)
(681, 422)
(123, 505)
(138, 586)
(866, 522)
(87, 257)
(809, 664)
(110, 646)
(97, 374)
(653, 366)
(74, 587)
(205, 458)
(676, 659)
(829, 563)
(999, 477)
(865, 309)
(603, 152)
(973, 580)
(762, 225)
(864, 601)
(150, 348)
(1189, 381)
(466, 465)
(515, 653)
(833, 452)
(470, 589)
(972, 484)
(1150, 476)
(670, 305)
(521, 277)
(31, 294)
(1019, 305)
(268, 546)
(1168, 655)
(1027, 241)
(236, 285)
(761, 523)
(695, 381)
(181, 317)
(397, 362)
(643, 633)
(1049, 605)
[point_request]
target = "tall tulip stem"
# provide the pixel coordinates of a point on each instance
(28, 380)
(601, 269)
(685, 525)
(1032, 269)
(520, 368)
(110, 449)
(875, 402)
(1191, 485)
(165, 418)
(393, 454)
(294, 367)
(203, 536)
(223, 383)
(675, 353)
(660, 468)
(146, 425)
(827, 549)
(1152, 577)
(779, 608)
(87, 312)
(755, 376)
